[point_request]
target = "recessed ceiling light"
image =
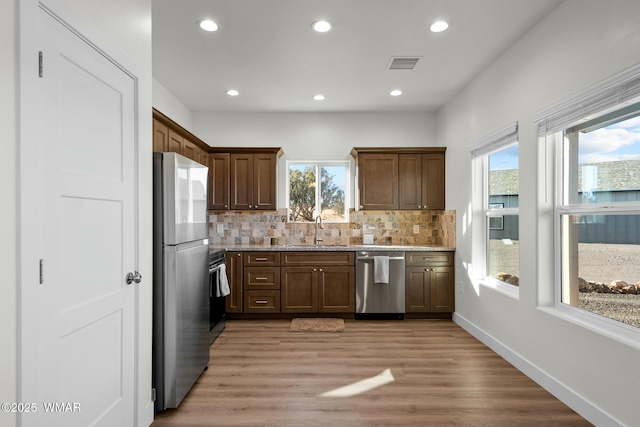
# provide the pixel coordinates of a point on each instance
(439, 26)
(319, 97)
(395, 92)
(208, 25)
(233, 92)
(321, 26)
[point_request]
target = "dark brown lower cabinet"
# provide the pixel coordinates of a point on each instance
(430, 283)
(262, 301)
(299, 289)
(234, 275)
(317, 282)
(317, 289)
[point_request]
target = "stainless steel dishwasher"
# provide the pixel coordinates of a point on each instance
(382, 299)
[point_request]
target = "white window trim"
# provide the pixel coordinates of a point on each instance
(620, 89)
(480, 151)
(320, 163)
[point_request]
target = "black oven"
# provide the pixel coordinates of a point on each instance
(218, 289)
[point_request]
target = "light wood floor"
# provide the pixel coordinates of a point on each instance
(260, 374)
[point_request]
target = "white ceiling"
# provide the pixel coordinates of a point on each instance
(266, 50)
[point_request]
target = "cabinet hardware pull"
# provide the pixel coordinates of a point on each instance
(428, 257)
(239, 254)
(261, 278)
(261, 301)
(261, 259)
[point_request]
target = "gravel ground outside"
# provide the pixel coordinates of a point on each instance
(597, 263)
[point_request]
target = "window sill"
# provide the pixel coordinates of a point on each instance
(501, 287)
(609, 328)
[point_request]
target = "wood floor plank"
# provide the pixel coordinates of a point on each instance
(260, 374)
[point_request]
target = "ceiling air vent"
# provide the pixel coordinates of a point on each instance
(403, 62)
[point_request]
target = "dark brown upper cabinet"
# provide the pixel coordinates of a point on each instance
(421, 181)
(400, 178)
(219, 181)
(243, 178)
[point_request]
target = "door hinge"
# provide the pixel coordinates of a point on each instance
(40, 64)
(153, 394)
(41, 271)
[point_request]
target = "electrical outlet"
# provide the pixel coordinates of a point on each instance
(461, 287)
(416, 229)
(220, 228)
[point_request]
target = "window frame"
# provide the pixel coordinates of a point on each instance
(318, 164)
(481, 150)
(564, 155)
(601, 97)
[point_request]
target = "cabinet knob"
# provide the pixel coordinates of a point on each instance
(320, 269)
(315, 269)
(226, 206)
(419, 207)
(361, 207)
(239, 254)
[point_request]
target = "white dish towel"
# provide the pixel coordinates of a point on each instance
(222, 290)
(380, 269)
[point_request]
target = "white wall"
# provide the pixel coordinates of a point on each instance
(165, 102)
(315, 136)
(8, 223)
(579, 44)
(121, 29)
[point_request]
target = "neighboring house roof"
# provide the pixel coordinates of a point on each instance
(610, 176)
(504, 182)
(606, 176)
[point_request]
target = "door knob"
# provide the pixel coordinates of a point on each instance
(133, 277)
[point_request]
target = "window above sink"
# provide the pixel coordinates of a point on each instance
(313, 183)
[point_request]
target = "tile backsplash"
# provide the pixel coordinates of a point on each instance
(393, 227)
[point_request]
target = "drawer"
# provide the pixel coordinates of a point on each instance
(271, 259)
(262, 301)
(428, 258)
(262, 278)
(317, 258)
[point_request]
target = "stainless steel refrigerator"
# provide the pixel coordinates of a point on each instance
(181, 277)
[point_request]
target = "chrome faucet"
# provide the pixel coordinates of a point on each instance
(316, 240)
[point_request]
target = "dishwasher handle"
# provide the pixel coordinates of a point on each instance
(391, 258)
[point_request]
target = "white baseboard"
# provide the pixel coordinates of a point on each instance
(574, 401)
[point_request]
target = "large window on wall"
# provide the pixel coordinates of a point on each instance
(595, 139)
(496, 160)
(317, 189)
(598, 215)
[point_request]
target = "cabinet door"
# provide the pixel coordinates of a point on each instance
(299, 289)
(160, 137)
(241, 181)
(378, 181)
(433, 181)
(219, 181)
(176, 142)
(417, 292)
(189, 150)
(264, 180)
(336, 287)
(410, 181)
(442, 289)
(234, 274)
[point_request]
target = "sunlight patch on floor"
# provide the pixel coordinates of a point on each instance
(385, 377)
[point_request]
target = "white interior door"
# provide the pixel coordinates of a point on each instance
(87, 310)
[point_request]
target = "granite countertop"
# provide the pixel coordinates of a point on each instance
(330, 247)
